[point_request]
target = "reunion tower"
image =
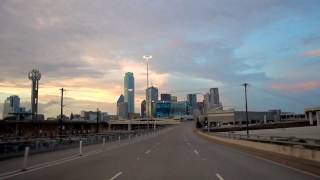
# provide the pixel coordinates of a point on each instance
(35, 77)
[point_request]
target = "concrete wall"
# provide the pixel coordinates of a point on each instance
(302, 153)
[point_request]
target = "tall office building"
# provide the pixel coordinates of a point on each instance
(165, 97)
(122, 107)
(129, 91)
(152, 96)
(143, 108)
(11, 105)
(214, 97)
(206, 103)
(192, 101)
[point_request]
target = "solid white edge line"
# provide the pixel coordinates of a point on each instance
(219, 176)
(116, 176)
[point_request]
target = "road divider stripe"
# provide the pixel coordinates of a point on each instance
(196, 152)
(116, 176)
(147, 152)
(219, 176)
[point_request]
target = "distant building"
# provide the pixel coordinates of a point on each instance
(165, 97)
(174, 98)
(214, 97)
(200, 107)
(143, 108)
(165, 109)
(206, 103)
(133, 115)
(192, 102)
(11, 105)
(179, 108)
(122, 107)
(211, 101)
(129, 91)
(162, 109)
(152, 95)
(92, 116)
(75, 117)
(232, 117)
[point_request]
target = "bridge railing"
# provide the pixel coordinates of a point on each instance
(14, 147)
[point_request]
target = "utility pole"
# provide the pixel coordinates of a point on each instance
(61, 112)
(97, 124)
(245, 95)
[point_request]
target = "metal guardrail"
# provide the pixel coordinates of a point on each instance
(14, 147)
(288, 141)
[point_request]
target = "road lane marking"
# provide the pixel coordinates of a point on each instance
(116, 176)
(219, 176)
(147, 152)
(196, 152)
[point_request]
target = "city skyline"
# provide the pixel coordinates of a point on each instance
(272, 45)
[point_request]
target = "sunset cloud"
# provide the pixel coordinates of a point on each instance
(87, 46)
(313, 53)
(297, 87)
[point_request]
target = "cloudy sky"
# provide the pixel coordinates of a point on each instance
(87, 46)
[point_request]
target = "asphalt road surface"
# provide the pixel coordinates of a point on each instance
(174, 153)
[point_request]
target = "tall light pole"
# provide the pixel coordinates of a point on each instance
(148, 58)
(61, 112)
(35, 77)
(245, 95)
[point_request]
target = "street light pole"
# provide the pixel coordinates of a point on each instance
(147, 58)
(245, 94)
(61, 113)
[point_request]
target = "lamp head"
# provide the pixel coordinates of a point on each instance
(34, 75)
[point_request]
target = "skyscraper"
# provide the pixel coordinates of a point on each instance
(192, 101)
(214, 97)
(129, 91)
(11, 105)
(143, 108)
(206, 103)
(152, 93)
(152, 96)
(122, 107)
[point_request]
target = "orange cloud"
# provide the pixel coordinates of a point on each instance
(313, 53)
(297, 87)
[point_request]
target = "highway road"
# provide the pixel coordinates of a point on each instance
(174, 153)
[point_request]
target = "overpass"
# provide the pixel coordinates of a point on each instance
(142, 123)
(175, 152)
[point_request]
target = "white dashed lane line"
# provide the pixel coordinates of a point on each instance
(116, 176)
(219, 176)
